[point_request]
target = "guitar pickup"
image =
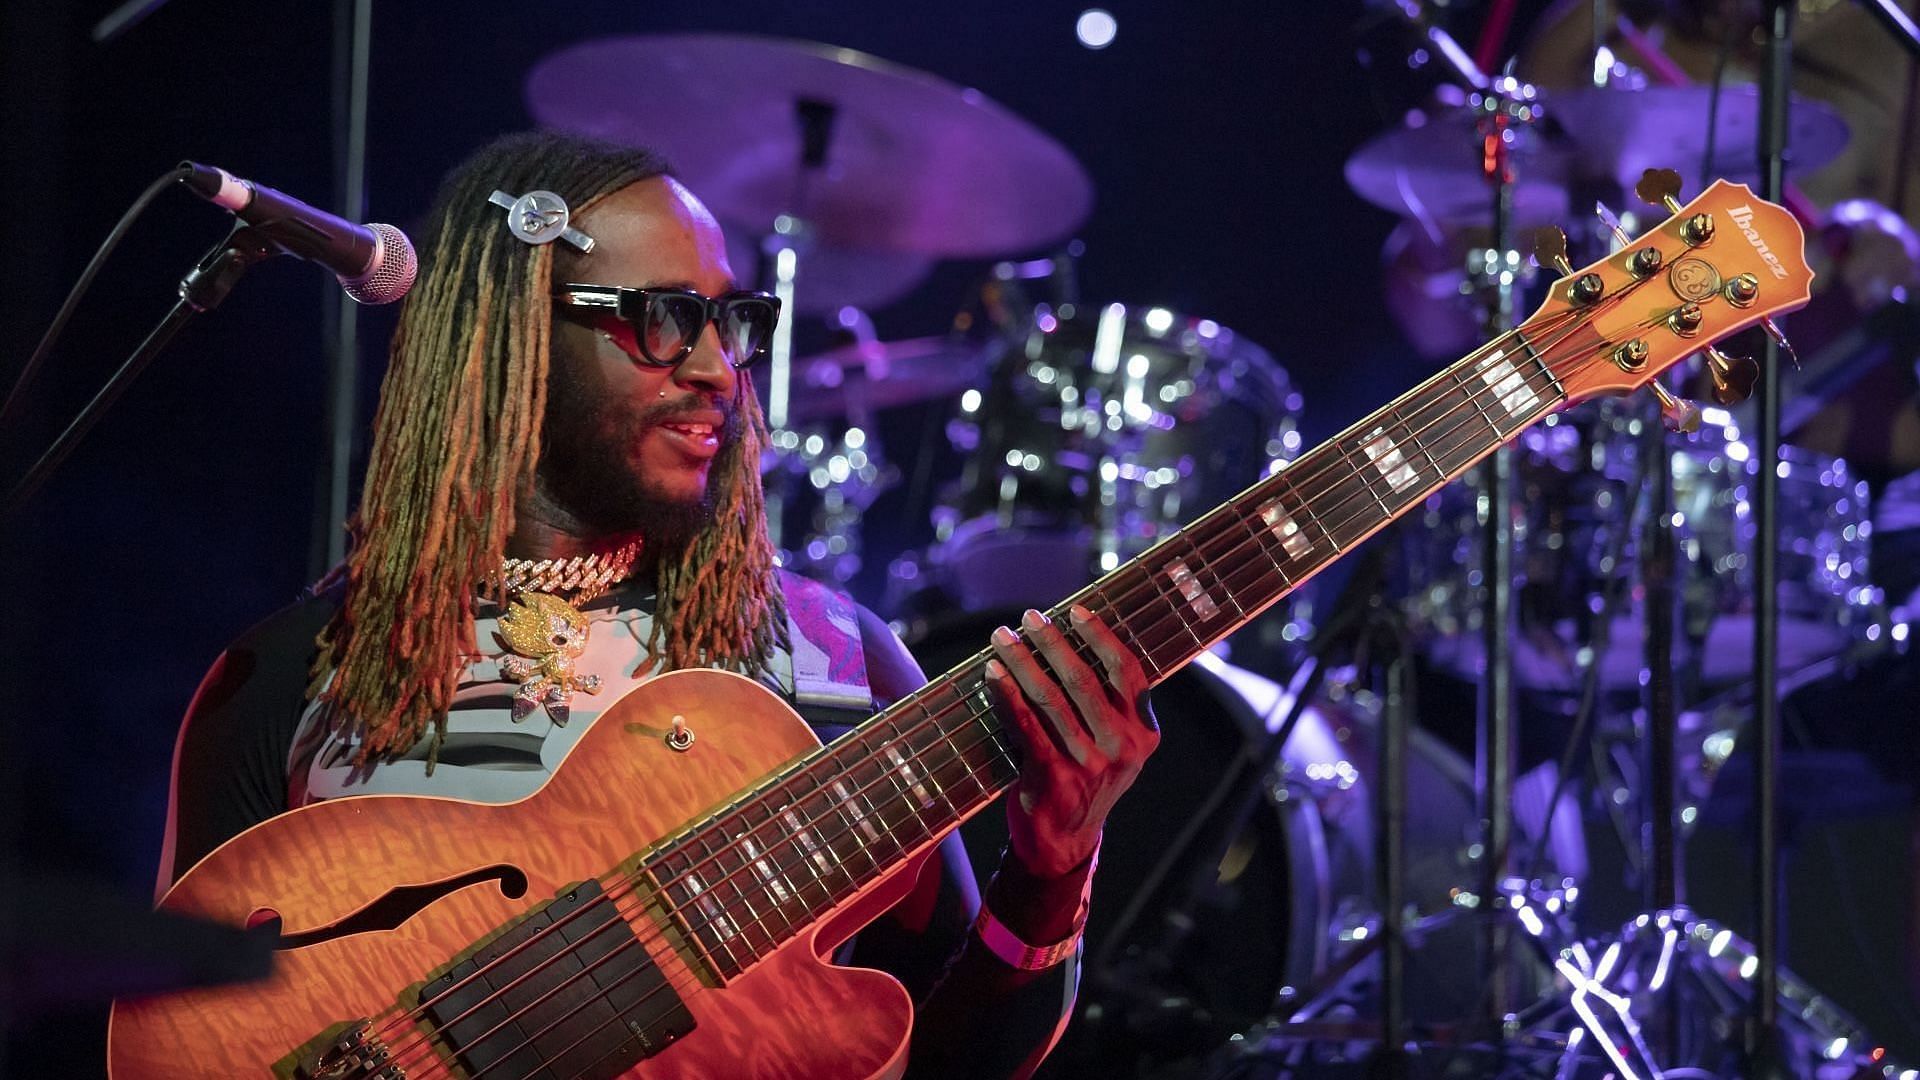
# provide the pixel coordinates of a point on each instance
(581, 998)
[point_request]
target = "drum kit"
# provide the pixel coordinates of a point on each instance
(1086, 431)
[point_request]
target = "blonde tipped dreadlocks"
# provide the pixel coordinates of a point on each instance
(458, 433)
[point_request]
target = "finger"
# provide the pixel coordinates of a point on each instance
(1084, 686)
(1039, 747)
(1121, 664)
(1049, 701)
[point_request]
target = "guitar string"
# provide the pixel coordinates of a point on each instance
(775, 939)
(745, 936)
(694, 983)
(1343, 455)
(1552, 406)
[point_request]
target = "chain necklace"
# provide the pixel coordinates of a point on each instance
(545, 631)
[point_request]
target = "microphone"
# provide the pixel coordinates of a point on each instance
(375, 263)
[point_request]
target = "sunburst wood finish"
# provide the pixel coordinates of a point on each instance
(619, 789)
(816, 852)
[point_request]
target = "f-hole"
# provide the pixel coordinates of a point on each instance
(394, 907)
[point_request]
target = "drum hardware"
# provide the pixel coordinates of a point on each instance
(1674, 978)
(1833, 614)
(1507, 109)
(1376, 633)
(1252, 777)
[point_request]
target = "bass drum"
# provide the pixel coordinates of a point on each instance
(1291, 897)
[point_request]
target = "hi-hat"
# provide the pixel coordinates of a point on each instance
(909, 163)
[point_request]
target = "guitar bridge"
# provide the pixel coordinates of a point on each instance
(351, 1056)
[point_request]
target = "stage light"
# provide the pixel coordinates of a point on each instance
(1095, 28)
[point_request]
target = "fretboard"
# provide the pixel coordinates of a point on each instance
(772, 863)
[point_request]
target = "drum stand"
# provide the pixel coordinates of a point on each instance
(783, 250)
(1501, 104)
(1360, 613)
(1382, 641)
(1506, 106)
(780, 252)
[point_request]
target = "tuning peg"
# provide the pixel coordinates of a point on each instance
(1550, 248)
(1780, 338)
(1612, 223)
(1678, 414)
(1660, 187)
(1733, 376)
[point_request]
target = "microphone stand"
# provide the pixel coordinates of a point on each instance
(204, 287)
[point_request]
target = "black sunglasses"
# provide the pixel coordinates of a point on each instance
(668, 322)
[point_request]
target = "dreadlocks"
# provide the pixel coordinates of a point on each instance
(458, 433)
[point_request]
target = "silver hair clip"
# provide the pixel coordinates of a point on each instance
(540, 217)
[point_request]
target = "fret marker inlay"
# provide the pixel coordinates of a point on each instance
(1284, 529)
(1189, 589)
(1390, 461)
(853, 807)
(766, 872)
(807, 842)
(905, 769)
(717, 918)
(1507, 383)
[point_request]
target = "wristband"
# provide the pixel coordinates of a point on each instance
(1018, 954)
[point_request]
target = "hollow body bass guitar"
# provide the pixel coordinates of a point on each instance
(662, 910)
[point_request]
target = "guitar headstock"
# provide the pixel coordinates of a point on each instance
(1721, 263)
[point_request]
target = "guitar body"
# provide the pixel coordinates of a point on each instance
(618, 791)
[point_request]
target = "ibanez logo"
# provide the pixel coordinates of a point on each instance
(1743, 220)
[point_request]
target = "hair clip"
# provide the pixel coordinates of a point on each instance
(540, 217)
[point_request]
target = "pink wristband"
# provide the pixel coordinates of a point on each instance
(1014, 952)
(1018, 954)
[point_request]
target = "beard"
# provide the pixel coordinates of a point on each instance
(586, 468)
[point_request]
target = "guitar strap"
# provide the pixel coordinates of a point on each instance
(824, 673)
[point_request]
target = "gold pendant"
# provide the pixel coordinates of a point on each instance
(547, 635)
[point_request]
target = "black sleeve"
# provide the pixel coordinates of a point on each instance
(230, 760)
(985, 1018)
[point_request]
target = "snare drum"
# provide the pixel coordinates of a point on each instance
(1579, 486)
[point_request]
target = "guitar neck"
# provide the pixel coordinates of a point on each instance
(775, 861)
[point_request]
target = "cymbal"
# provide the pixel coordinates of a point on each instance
(1429, 168)
(859, 379)
(912, 163)
(1622, 133)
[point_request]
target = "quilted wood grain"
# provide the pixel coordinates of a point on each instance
(619, 791)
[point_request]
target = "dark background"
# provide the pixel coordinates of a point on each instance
(1214, 133)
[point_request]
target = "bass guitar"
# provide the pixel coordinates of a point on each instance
(662, 907)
